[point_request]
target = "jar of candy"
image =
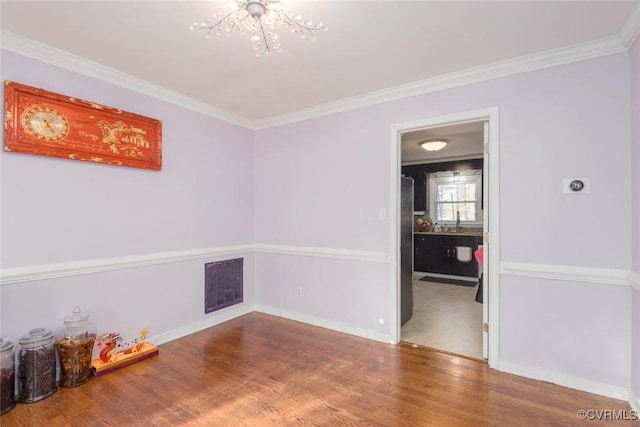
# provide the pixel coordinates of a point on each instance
(74, 343)
(7, 376)
(36, 366)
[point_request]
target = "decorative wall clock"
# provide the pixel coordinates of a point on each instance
(37, 121)
(46, 123)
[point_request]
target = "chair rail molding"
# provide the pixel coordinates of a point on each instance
(635, 280)
(568, 273)
(64, 269)
(345, 254)
(32, 273)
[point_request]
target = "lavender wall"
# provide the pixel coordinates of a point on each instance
(635, 231)
(62, 211)
(321, 183)
(316, 187)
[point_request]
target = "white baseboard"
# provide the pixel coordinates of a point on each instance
(212, 319)
(582, 384)
(634, 402)
(576, 383)
(323, 323)
(242, 309)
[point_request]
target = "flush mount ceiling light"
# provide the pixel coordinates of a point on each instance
(434, 145)
(260, 18)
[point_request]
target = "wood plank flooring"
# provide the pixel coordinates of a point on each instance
(260, 370)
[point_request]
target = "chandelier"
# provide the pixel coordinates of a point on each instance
(261, 18)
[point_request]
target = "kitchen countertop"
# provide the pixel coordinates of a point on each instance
(451, 233)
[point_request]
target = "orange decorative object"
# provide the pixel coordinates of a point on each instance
(124, 358)
(105, 353)
(37, 121)
(116, 355)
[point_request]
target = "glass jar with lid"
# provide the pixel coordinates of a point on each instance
(36, 366)
(7, 376)
(74, 343)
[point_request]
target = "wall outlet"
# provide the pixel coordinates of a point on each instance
(299, 291)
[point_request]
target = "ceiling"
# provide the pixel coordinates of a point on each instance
(464, 141)
(370, 47)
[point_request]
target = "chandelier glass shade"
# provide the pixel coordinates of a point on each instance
(261, 18)
(435, 145)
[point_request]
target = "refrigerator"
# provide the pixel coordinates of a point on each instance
(406, 249)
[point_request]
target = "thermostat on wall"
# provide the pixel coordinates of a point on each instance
(575, 185)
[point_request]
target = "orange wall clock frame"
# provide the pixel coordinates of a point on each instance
(37, 121)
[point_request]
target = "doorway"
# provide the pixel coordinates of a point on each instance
(488, 120)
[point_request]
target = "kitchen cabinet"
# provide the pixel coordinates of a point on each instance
(423, 256)
(436, 253)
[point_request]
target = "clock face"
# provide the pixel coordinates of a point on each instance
(46, 123)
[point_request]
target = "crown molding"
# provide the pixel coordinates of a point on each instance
(566, 55)
(631, 28)
(537, 61)
(60, 58)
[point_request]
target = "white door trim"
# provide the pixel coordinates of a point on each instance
(485, 219)
(492, 258)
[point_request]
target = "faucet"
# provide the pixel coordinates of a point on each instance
(457, 221)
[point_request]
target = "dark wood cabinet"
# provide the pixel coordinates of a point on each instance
(437, 253)
(423, 258)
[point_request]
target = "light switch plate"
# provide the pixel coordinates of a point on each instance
(568, 185)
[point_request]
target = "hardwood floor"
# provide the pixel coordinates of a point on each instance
(260, 370)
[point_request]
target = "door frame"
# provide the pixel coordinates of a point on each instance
(491, 230)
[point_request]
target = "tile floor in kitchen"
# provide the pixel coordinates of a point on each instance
(445, 317)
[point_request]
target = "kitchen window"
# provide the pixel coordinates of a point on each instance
(451, 194)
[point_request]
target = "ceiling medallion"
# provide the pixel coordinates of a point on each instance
(261, 18)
